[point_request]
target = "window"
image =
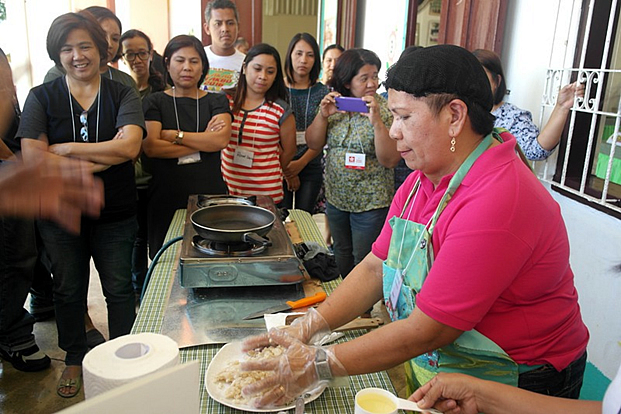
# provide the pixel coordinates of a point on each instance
(588, 167)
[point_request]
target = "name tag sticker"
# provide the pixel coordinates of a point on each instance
(355, 161)
(395, 290)
(300, 138)
(189, 159)
(243, 157)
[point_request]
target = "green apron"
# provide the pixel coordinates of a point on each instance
(410, 257)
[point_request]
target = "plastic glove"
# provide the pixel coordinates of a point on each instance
(294, 372)
(310, 328)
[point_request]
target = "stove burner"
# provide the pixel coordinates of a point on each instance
(220, 249)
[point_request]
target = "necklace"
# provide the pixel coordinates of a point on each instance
(177, 114)
(73, 116)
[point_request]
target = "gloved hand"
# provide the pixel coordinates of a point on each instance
(294, 372)
(308, 329)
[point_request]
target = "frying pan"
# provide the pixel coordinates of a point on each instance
(233, 223)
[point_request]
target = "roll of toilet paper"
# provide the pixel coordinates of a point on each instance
(126, 359)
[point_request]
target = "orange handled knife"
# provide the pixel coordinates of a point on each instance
(289, 305)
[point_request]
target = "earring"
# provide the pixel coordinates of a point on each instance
(453, 144)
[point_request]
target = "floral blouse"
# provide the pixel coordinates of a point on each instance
(520, 124)
(355, 190)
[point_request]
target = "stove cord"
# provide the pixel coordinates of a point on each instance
(154, 262)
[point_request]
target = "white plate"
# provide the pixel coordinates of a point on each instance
(231, 352)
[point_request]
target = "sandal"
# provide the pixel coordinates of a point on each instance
(69, 383)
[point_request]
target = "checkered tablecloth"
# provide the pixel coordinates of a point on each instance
(151, 315)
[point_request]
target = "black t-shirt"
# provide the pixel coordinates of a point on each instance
(9, 136)
(47, 111)
(178, 181)
(171, 183)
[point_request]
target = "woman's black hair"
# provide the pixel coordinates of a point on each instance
(329, 48)
(101, 14)
(314, 72)
(348, 66)
(491, 62)
(156, 80)
(179, 42)
(65, 24)
(278, 90)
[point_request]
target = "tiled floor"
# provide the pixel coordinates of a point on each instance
(35, 393)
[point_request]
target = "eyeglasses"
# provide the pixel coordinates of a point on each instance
(131, 56)
(84, 129)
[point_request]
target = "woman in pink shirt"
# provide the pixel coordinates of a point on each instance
(472, 262)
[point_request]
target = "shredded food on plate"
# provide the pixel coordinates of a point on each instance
(232, 379)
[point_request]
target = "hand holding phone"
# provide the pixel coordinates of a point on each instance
(349, 104)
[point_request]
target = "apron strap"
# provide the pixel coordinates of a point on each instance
(407, 201)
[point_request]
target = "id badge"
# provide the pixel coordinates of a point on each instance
(300, 138)
(243, 157)
(355, 161)
(189, 159)
(395, 290)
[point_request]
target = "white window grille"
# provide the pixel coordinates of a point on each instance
(599, 113)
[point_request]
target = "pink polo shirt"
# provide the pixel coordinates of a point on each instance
(501, 260)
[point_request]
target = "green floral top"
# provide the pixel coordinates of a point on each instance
(351, 190)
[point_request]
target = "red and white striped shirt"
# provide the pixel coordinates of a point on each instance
(256, 131)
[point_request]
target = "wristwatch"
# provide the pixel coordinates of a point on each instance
(178, 137)
(322, 365)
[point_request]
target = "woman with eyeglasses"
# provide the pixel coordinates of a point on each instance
(138, 55)
(112, 27)
(85, 115)
(186, 129)
(360, 157)
(262, 139)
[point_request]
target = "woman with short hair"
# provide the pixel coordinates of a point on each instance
(85, 115)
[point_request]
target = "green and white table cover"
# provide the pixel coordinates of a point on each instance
(151, 315)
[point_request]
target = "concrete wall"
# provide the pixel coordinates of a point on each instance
(278, 30)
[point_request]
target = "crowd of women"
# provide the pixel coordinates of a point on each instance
(470, 255)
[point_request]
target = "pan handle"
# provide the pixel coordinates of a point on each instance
(256, 239)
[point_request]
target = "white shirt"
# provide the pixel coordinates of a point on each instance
(612, 398)
(223, 70)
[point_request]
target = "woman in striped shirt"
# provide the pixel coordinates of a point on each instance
(263, 130)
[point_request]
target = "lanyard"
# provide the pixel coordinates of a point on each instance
(356, 134)
(305, 109)
(177, 114)
(73, 116)
(253, 133)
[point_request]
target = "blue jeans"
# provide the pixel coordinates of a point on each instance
(311, 178)
(110, 245)
(548, 381)
(353, 234)
(18, 256)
